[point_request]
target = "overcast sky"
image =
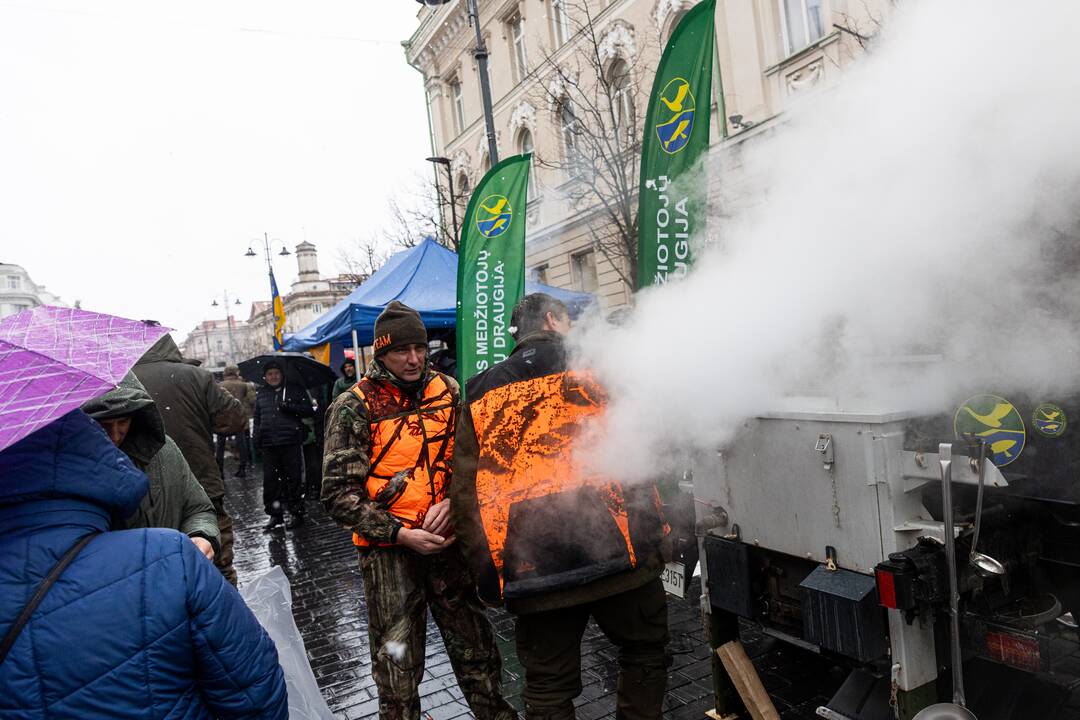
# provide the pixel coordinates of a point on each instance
(143, 144)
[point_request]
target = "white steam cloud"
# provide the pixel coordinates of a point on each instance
(903, 236)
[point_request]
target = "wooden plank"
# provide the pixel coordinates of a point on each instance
(745, 678)
(717, 716)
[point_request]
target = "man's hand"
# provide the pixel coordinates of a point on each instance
(437, 520)
(204, 547)
(422, 541)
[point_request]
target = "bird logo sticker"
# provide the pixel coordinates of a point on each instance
(996, 421)
(1049, 420)
(493, 216)
(675, 110)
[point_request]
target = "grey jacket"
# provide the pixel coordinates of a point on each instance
(175, 500)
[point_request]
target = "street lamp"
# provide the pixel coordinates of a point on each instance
(445, 162)
(481, 54)
(228, 325)
(269, 267)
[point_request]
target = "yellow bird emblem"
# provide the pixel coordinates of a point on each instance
(497, 210)
(994, 417)
(1051, 415)
(676, 105)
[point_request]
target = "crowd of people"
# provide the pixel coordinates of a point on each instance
(112, 519)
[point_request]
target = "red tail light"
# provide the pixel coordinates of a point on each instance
(886, 588)
(1015, 650)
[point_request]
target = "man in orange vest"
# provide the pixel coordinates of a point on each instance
(386, 473)
(548, 535)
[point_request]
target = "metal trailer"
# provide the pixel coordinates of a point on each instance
(825, 527)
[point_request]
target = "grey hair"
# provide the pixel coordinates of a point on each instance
(531, 311)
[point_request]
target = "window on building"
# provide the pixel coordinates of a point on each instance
(316, 308)
(583, 271)
(459, 105)
(803, 23)
(560, 23)
(540, 274)
(485, 162)
(622, 100)
(13, 282)
(568, 134)
(220, 345)
(516, 30)
(525, 145)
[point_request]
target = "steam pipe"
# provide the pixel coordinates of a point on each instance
(945, 460)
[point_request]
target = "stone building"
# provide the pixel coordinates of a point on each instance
(309, 296)
(767, 51)
(212, 342)
(18, 292)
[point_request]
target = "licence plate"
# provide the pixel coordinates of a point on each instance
(674, 579)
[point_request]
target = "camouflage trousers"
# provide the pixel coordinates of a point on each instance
(400, 585)
(223, 559)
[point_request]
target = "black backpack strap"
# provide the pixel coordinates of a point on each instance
(40, 593)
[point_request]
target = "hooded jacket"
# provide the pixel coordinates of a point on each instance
(140, 625)
(175, 500)
(193, 408)
(541, 531)
(243, 391)
(277, 415)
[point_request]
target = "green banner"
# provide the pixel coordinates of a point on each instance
(491, 266)
(672, 204)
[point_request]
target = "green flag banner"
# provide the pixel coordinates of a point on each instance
(491, 266)
(671, 204)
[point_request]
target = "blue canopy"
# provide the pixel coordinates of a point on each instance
(424, 278)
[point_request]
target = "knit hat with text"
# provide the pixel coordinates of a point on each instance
(398, 325)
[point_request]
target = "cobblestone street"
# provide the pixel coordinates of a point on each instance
(329, 610)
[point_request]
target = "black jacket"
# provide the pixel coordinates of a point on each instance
(536, 356)
(277, 415)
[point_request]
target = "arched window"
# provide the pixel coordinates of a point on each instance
(485, 162)
(525, 145)
(622, 101)
(462, 192)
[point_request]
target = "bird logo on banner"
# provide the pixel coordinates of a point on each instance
(675, 111)
(493, 216)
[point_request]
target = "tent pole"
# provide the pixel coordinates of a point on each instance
(356, 355)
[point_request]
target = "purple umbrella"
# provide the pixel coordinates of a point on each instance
(53, 359)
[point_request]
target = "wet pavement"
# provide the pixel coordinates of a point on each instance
(328, 606)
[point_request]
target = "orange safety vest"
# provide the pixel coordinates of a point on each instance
(550, 522)
(411, 449)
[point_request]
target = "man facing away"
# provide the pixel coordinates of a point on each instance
(175, 499)
(243, 391)
(556, 541)
(193, 408)
(386, 470)
(279, 435)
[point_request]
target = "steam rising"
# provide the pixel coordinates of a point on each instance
(901, 237)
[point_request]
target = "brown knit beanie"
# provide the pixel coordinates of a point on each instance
(398, 325)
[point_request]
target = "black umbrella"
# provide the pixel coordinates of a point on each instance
(299, 369)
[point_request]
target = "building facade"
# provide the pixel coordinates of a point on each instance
(309, 296)
(543, 53)
(19, 292)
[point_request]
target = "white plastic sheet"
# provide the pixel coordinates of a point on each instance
(270, 597)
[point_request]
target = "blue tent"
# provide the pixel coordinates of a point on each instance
(424, 278)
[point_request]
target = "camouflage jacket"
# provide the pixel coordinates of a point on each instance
(347, 460)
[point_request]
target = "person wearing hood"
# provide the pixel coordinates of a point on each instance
(347, 379)
(139, 624)
(243, 391)
(279, 435)
(386, 471)
(193, 408)
(551, 537)
(175, 500)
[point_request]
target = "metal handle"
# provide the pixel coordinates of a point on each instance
(945, 460)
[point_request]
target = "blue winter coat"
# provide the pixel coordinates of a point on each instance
(140, 625)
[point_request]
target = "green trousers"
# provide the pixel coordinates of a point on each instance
(400, 586)
(549, 648)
